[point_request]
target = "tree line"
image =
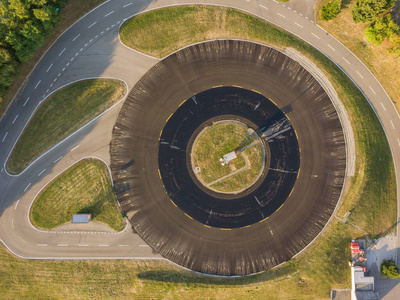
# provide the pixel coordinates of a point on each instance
(24, 25)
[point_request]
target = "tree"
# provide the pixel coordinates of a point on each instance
(367, 10)
(331, 10)
(388, 268)
(382, 28)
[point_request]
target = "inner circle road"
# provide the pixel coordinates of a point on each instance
(89, 49)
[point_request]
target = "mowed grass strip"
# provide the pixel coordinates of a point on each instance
(83, 188)
(60, 115)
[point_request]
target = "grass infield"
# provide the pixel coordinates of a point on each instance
(83, 188)
(220, 139)
(371, 199)
(60, 115)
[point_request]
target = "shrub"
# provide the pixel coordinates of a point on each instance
(331, 10)
(367, 10)
(382, 28)
(388, 268)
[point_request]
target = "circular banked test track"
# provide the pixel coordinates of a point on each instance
(220, 233)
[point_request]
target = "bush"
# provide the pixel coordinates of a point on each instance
(367, 10)
(388, 268)
(382, 28)
(331, 10)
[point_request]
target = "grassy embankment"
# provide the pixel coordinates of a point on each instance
(62, 114)
(383, 64)
(371, 198)
(71, 12)
(83, 188)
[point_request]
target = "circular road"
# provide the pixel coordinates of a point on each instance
(253, 231)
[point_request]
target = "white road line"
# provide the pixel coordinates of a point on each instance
(51, 84)
(103, 245)
(143, 245)
(331, 47)
(12, 223)
(63, 70)
(108, 14)
(262, 6)
(306, 18)
(315, 35)
(81, 49)
(42, 245)
(300, 14)
(108, 28)
(360, 75)
(76, 54)
(398, 141)
(346, 60)
(123, 245)
(59, 74)
(92, 24)
(62, 245)
(49, 68)
(102, 32)
(83, 245)
(295, 11)
(298, 25)
(372, 90)
(96, 36)
(86, 45)
(41, 172)
(1, 170)
(75, 37)
(16, 204)
(4, 137)
(15, 119)
(289, 8)
(27, 187)
(127, 4)
(47, 91)
(55, 79)
(62, 52)
(57, 160)
(392, 124)
(281, 15)
(26, 101)
(383, 106)
(112, 25)
(37, 84)
(74, 148)
(91, 41)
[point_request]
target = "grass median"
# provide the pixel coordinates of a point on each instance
(371, 199)
(60, 115)
(83, 188)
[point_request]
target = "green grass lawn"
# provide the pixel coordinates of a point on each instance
(62, 114)
(83, 188)
(371, 198)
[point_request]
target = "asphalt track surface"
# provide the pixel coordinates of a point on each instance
(265, 227)
(91, 48)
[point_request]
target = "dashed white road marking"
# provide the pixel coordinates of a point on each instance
(262, 6)
(16, 204)
(83, 245)
(398, 141)
(103, 245)
(4, 137)
(392, 124)
(62, 52)
(281, 15)
(26, 101)
(92, 24)
(76, 37)
(80, 49)
(91, 41)
(298, 25)
(62, 245)
(76, 54)
(109, 14)
(42, 245)
(383, 106)
(143, 245)
(123, 245)
(74, 148)
(12, 223)
(346, 60)
(15, 119)
(306, 18)
(331, 47)
(127, 4)
(27, 187)
(57, 159)
(360, 75)
(48, 69)
(315, 35)
(1, 170)
(289, 8)
(108, 28)
(37, 84)
(372, 90)
(42, 172)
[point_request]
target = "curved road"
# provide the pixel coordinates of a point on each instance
(91, 48)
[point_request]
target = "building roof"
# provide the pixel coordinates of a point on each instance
(230, 156)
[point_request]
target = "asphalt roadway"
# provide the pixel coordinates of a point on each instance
(91, 48)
